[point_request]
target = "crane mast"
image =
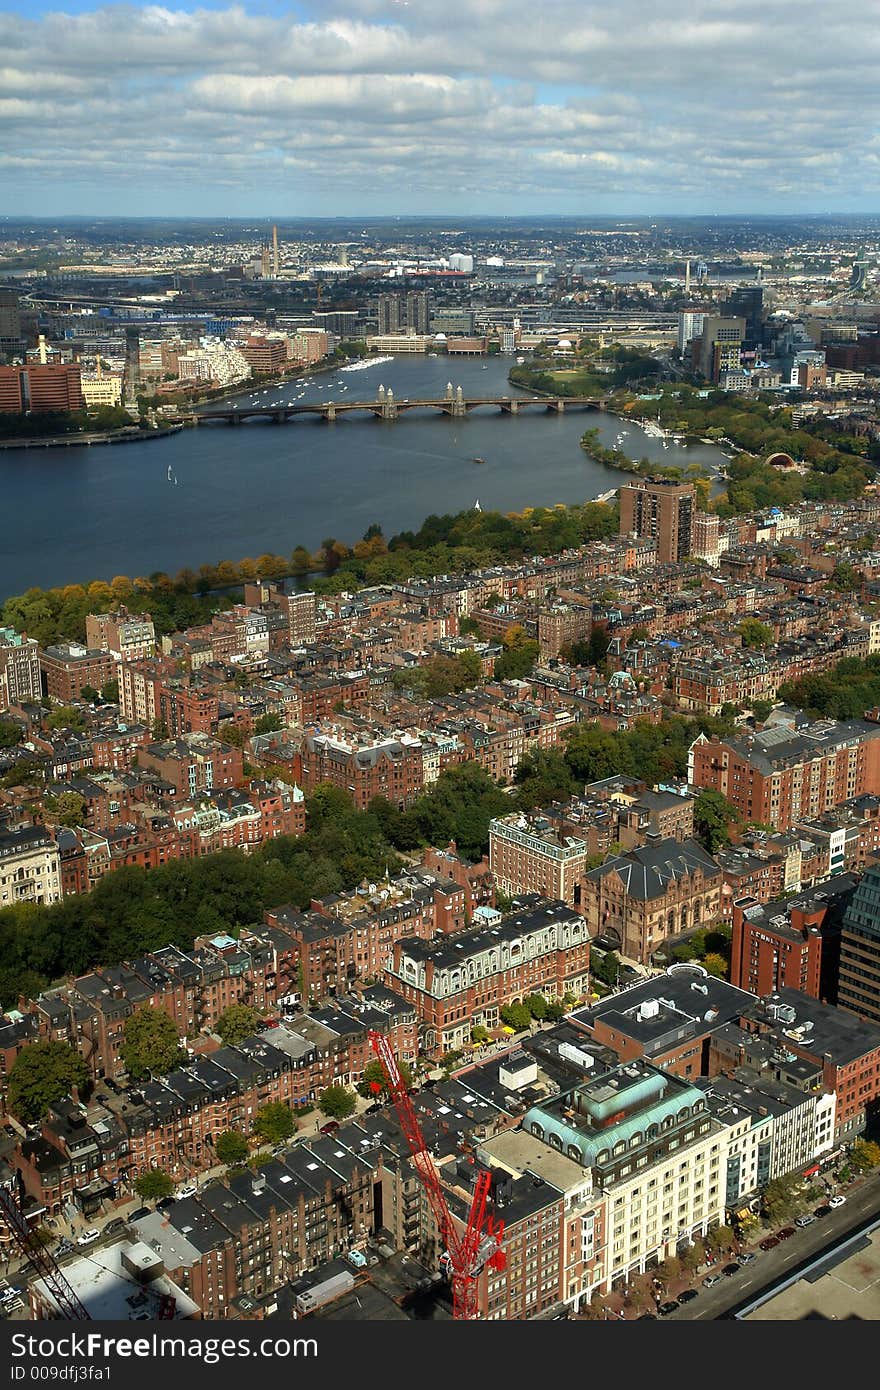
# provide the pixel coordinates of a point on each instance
(480, 1244)
(48, 1267)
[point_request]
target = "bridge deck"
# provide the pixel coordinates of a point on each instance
(390, 409)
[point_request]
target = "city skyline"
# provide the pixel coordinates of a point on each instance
(382, 107)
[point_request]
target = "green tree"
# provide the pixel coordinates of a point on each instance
(338, 1102)
(42, 1073)
(536, 1005)
(273, 1123)
(865, 1154)
(373, 1081)
(154, 1185)
(762, 709)
(479, 1034)
(606, 967)
(755, 633)
(713, 816)
(110, 692)
(516, 1016)
(720, 1239)
(238, 1022)
(67, 809)
(88, 692)
(150, 1044)
(268, 724)
(232, 733)
(715, 965)
(66, 717)
(231, 1147)
(10, 733)
(780, 1200)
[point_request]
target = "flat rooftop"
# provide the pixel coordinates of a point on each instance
(111, 1293)
(844, 1286)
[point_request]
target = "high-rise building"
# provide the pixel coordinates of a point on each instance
(409, 313)
(747, 302)
(388, 313)
(19, 668)
(660, 509)
(690, 326)
(858, 987)
(719, 347)
(10, 322)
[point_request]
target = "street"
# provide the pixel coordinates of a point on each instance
(862, 1204)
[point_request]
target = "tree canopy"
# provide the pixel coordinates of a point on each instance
(150, 1044)
(42, 1073)
(338, 1102)
(274, 1122)
(153, 1185)
(231, 1147)
(238, 1022)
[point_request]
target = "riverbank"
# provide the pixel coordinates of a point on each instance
(78, 441)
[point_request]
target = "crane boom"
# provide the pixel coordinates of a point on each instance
(45, 1262)
(481, 1242)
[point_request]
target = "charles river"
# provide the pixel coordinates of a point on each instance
(76, 514)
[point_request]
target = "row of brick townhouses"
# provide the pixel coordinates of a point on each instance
(84, 1152)
(339, 943)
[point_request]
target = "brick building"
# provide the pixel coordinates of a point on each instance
(649, 895)
(781, 775)
(68, 667)
(391, 768)
(541, 947)
(527, 854)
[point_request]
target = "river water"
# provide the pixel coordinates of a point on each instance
(75, 514)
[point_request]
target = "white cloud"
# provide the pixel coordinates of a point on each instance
(398, 104)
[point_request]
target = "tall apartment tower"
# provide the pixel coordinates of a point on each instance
(417, 311)
(858, 984)
(275, 253)
(389, 313)
(400, 313)
(661, 510)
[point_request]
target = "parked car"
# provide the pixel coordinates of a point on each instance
(731, 1269)
(838, 1200)
(87, 1237)
(666, 1308)
(113, 1227)
(164, 1203)
(805, 1220)
(189, 1189)
(710, 1280)
(330, 1127)
(141, 1211)
(688, 1296)
(769, 1242)
(786, 1233)
(747, 1259)
(824, 1210)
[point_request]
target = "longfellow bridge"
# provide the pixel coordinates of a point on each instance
(387, 407)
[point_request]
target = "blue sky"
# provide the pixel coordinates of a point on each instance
(412, 106)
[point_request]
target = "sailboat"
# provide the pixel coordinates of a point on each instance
(477, 507)
(169, 472)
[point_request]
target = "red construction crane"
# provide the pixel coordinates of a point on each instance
(480, 1244)
(45, 1262)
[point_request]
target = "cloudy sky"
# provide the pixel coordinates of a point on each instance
(440, 106)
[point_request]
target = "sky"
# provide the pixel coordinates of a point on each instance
(439, 107)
